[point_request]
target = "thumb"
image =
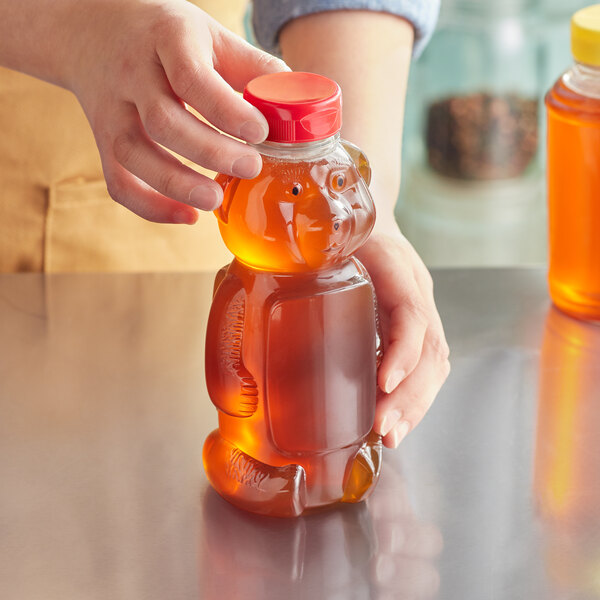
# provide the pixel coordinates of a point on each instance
(238, 61)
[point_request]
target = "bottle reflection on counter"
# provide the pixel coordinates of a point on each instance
(378, 550)
(567, 463)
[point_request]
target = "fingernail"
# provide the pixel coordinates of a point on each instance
(247, 166)
(253, 132)
(205, 198)
(184, 217)
(281, 64)
(389, 421)
(399, 433)
(394, 378)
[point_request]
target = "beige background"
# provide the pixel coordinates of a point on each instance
(55, 213)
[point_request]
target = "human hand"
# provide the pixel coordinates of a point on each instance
(134, 65)
(415, 358)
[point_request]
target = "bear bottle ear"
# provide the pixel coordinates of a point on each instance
(229, 185)
(360, 160)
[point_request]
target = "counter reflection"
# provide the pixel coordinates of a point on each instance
(378, 549)
(567, 463)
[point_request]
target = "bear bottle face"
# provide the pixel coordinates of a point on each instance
(297, 216)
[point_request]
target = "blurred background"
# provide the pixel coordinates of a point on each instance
(473, 188)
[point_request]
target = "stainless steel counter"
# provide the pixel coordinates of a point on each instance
(103, 412)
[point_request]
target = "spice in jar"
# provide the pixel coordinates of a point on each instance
(482, 136)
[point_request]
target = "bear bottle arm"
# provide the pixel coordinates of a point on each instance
(231, 386)
(221, 273)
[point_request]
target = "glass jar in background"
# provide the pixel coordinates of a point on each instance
(573, 168)
(554, 34)
(452, 224)
(472, 133)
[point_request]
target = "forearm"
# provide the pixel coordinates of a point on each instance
(34, 35)
(368, 54)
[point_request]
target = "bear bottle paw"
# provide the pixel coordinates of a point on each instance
(363, 471)
(251, 484)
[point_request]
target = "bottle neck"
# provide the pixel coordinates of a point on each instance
(300, 151)
(583, 79)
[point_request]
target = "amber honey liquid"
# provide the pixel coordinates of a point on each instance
(574, 201)
(567, 465)
(567, 456)
(291, 353)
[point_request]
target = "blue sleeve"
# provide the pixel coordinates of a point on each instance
(269, 16)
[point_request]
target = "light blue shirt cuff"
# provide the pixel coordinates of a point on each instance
(269, 16)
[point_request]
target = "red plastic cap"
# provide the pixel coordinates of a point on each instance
(299, 107)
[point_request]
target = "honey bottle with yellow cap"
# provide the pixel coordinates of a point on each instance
(292, 343)
(573, 113)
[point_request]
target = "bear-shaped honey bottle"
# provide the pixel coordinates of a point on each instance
(292, 344)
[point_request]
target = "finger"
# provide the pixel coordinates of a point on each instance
(238, 62)
(145, 202)
(408, 324)
(198, 84)
(405, 314)
(413, 397)
(425, 283)
(159, 169)
(175, 128)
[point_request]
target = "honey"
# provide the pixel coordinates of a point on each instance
(292, 343)
(573, 111)
(574, 200)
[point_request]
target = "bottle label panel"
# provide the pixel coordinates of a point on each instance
(321, 370)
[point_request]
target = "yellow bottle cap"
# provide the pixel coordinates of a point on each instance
(585, 35)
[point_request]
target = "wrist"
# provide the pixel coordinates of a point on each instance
(385, 229)
(384, 188)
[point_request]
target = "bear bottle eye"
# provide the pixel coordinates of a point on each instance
(336, 226)
(338, 181)
(297, 189)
